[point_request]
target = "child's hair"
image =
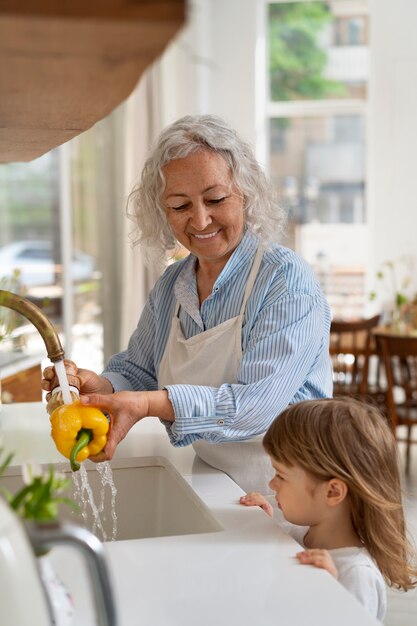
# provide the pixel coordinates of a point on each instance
(350, 440)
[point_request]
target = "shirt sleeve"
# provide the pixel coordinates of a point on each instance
(283, 347)
(134, 368)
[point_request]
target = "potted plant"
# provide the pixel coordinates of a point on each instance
(40, 495)
(398, 292)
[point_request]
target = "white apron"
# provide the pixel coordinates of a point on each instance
(212, 358)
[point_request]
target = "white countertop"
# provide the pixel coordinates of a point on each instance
(246, 573)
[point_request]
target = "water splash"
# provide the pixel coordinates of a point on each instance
(84, 497)
(106, 475)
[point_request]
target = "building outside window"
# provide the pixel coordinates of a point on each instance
(317, 99)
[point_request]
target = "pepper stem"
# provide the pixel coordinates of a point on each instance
(84, 437)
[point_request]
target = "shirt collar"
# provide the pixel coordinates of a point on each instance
(244, 251)
(185, 288)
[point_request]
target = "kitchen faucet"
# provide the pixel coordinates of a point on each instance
(45, 536)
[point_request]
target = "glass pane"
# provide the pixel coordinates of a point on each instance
(87, 329)
(318, 166)
(318, 50)
(29, 250)
(31, 255)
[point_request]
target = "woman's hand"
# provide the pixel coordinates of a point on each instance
(318, 558)
(86, 381)
(125, 408)
(255, 499)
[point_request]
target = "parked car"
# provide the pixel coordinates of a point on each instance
(35, 262)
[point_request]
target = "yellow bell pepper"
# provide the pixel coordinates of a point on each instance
(78, 431)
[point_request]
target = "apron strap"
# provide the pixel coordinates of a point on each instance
(252, 276)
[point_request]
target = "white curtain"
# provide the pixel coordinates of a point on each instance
(143, 124)
(169, 89)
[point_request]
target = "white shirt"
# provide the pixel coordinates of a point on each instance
(357, 571)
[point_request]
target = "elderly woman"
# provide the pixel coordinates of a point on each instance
(230, 335)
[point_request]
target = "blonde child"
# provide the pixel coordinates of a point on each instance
(337, 484)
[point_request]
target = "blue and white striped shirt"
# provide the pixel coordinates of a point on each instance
(285, 344)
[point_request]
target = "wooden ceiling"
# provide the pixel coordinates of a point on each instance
(65, 64)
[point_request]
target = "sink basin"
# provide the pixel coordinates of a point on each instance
(153, 499)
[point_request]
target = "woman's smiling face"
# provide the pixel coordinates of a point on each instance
(203, 207)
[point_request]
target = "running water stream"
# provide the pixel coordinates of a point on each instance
(89, 508)
(63, 382)
(82, 489)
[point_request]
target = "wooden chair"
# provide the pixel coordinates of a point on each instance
(399, 354)
(351, 344)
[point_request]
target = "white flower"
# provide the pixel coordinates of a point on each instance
(31, 470)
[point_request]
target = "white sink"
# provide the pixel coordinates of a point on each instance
(153, 499)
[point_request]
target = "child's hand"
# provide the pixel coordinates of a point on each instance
(318, 558)
(255, 499)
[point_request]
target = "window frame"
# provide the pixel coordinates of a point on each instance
(295, 108)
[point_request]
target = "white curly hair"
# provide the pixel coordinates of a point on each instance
(263, 216)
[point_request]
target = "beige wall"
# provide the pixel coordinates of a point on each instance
(210, 67)
(392, 158)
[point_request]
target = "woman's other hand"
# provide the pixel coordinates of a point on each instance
(125, 408)
(255, 499)
(318, 558)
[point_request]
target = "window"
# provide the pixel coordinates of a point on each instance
(56, 224)
(317, 97)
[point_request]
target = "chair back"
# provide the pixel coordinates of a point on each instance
(350, 348)
(399, 355)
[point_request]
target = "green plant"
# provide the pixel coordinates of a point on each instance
(297, 60)
(10, 320)
(396, 279)
(41, 494)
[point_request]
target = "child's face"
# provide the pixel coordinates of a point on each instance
(299, 495)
